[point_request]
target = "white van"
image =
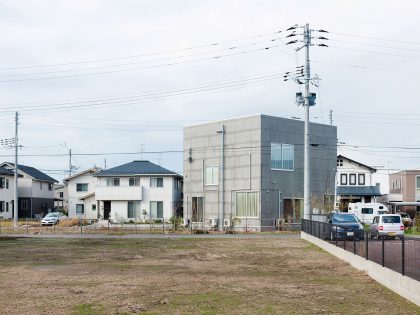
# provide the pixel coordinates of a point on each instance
(365, 212)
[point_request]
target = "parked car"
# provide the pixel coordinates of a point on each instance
(407, 221)
(365, 212)
(343, 225)
(53, 218)
(387, 225)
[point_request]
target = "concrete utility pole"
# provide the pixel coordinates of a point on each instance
(303, 73)
(70, 166)
(222, 184)
(16, 203)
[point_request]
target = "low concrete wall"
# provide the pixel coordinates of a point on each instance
(403, 285)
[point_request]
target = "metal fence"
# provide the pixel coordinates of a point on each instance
(401, 255)
(176, 226)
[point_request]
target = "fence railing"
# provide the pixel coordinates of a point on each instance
(81, 226)
(401, 255)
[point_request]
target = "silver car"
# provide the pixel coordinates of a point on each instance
(53, 218)
(387, 225)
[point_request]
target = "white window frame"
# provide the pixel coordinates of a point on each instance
(157, 202)
(111, 181)
(134, 181)
(343, 175)
(258, 203)
(353, 175)
(282, 161)
(364, 179)
(154, 182)
(211, 175)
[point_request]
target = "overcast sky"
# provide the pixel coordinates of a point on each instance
(126, 76)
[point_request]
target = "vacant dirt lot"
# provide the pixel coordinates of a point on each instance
(184, 276)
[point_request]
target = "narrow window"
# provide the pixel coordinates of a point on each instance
(80, 208)
(343, 179)
(352, 179)
(156, 182)
(362, 179)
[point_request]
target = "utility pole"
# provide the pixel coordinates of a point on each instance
(16, 203)
(70, 166)
(222, 184)
(331, 120)
(303, 76)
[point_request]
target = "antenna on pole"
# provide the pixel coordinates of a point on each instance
(302, 75)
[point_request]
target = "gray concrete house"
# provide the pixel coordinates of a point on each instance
(261, 180)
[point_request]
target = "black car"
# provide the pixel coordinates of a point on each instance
(342, 225)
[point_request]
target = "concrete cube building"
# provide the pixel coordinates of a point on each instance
(260, 178)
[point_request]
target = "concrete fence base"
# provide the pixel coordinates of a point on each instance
(402, 285)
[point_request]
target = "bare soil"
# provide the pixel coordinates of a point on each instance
(184, 276)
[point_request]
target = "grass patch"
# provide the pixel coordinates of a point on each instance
(88, 309)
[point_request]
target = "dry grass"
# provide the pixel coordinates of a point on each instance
(184, 276)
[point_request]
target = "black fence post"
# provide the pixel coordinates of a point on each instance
(163, 226)
(383, 251)
(336, 242)
(354, 245)
(81, 227)
(367, 245)
(108, 226)
(403, 256)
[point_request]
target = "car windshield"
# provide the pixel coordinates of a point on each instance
(52, 215)
(344, 218)
(391, 219)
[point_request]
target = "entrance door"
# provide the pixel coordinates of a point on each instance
(107, 209)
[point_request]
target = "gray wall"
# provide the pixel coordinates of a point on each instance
(248, 162)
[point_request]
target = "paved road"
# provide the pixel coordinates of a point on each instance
(155, 236)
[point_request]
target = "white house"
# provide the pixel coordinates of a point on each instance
(7, 189)
(61, 197)
(355, 182)
(138, 190)
(81, 194)
(35, 190)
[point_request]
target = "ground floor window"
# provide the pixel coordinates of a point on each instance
(156, 209)
(133, 209)
(80, 208)
(197, 209)
(293, 209)
(247, 204)
(24, 204)
(2, 206)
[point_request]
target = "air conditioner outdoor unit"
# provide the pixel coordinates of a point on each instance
(213, 222)
(226, 222)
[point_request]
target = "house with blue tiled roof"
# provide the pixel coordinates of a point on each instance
(355, 183)
(35, 191)
(139, 190)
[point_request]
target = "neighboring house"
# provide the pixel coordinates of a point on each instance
(35, 190)
(81, 194)
(404, 188)
(7, 193)
(355, 183)
(60, 198)
(138, 190)
(262, 177)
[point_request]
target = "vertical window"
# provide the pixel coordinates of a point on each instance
(61, 194)
(352, 179)
(93, 207)
(50, 186)
(282, 156)
(40, 185)
(135, 181)
(247, 204)
(343, 179)
(362, 179)
(197, 209)
(211, 175)
(24, 204)
(81, 187)
(156, 209)
(2, 207)
(7, 183)
(133, 209)
(2, 181)
(80, 208)
(7, 207)
(156, 182)
(113, 181)
(417, 182)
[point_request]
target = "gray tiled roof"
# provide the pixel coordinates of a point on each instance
(358, 191)
(5, 171)
(136, 168)
(33, 172)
